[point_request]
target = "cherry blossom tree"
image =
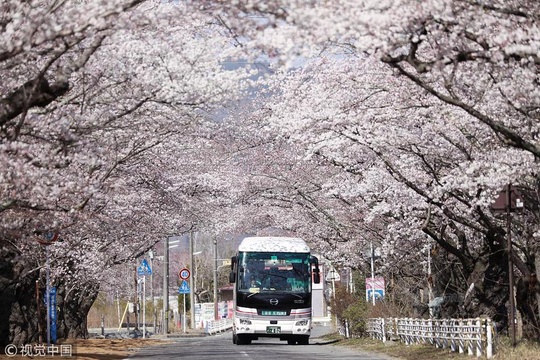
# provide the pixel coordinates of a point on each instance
(479, 56)
(409, 166)
(472, 66)
(102, 112)
(414, 119)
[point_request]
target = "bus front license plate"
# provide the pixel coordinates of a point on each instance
(273, 329)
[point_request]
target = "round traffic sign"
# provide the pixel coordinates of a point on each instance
(46, 237)
(184, 274)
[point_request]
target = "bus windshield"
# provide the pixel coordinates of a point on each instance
(269, 272)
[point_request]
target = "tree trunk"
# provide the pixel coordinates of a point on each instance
(18, 315)
(537, 269)
(527, 300)
(478, 291)
(527, 289)
(488, 291)
(18, 309)
(74, 306)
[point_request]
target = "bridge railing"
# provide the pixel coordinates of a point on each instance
(475, 336)
(216, 326)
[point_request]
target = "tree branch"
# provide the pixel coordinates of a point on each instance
(510, 137)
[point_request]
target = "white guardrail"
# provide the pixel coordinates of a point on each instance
(472, 335)
(215, 326)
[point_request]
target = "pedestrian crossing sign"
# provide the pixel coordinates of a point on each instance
(144, 269)
(184, 288)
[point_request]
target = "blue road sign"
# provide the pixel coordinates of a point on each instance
(52, 304)
(379, 294)
(184, 288)
(144, 269)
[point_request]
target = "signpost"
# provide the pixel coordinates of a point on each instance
(508, 201)
(333, 276)
(143, 270)
(374, 283)
(184, 289)
(46, 238)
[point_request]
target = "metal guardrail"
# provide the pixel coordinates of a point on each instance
(472, 335)
(217, 326)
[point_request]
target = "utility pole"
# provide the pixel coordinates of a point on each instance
(166, 286)
(216, 314)
(507, 201)
(351, 281)
(191, 281)
(151, 256)
(372, 274)
(510, 263)
(430, 287)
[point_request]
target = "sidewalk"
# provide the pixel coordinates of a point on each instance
(322, 320)
(175, 335)
(113, 333)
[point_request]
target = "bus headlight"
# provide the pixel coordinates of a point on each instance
(302, 323)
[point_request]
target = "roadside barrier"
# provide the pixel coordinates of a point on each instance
(472, 335)
(216, 326)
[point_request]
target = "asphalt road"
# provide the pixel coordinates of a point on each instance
(221, 347)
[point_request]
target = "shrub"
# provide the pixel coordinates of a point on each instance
(356, 315)
(352, 308)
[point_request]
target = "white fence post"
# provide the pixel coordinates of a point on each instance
(470, 340)
(461, 337)
(479, 337)
(489, 339)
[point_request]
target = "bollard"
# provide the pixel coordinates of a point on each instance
(383, 329)
(103, 325)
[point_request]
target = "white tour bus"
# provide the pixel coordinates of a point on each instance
(272, 279)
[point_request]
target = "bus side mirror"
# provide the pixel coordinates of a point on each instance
(232, 274)
(316, 276)
(316, 271)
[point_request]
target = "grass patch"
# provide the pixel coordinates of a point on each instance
(524, 350)
(503, 350)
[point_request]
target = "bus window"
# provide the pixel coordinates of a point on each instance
(261, 272)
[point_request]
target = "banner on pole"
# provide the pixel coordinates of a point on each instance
(52, 306)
